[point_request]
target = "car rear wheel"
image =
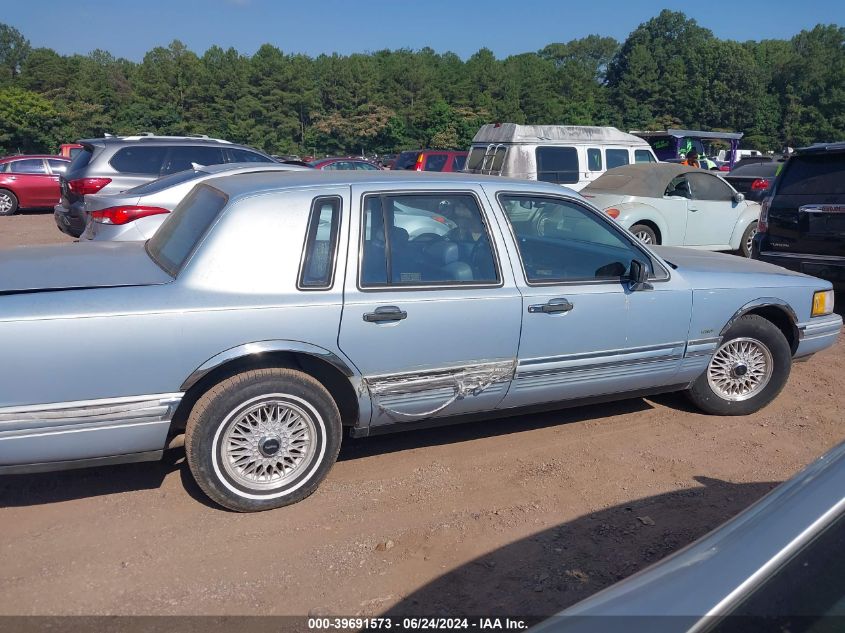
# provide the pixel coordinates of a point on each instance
(645, 234)
(262, 439)
(748, 370)
(8, 202)
(747, 239)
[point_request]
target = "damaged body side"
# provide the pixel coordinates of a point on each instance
(411, 396)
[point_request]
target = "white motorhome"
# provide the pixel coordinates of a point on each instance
(571, 155)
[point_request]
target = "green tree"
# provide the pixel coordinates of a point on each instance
(29, 123)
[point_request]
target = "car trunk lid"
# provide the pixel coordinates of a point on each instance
(25, 269)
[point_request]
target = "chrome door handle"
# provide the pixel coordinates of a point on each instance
(554, 306)
(385, 313)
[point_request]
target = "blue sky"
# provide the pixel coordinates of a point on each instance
(345, 26)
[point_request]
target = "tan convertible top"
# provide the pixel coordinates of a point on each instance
(647, 180)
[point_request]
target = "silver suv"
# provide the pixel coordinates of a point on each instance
(116, 163)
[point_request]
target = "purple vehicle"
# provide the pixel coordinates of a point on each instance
(669, 145)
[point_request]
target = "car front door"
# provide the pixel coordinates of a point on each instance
(431, 315)
(711, 212)
(585, 332)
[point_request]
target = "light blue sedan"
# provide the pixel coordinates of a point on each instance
(272, 312)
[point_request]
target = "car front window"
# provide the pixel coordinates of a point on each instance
(562, 241)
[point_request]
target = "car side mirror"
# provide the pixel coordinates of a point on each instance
(739, 197)
(638, 277)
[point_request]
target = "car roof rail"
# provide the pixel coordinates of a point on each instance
(152, 136)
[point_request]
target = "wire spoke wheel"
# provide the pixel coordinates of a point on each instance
(740, 369)
(268, 444)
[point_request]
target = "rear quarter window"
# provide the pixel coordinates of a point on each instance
(182, 231)
(805, 175)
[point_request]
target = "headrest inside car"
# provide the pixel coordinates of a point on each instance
(442, 252)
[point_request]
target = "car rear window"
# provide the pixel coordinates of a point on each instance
(81, 158)
(557, 164)
(181, 232)
(814, 174)
(139, 160)
(406, 160)
(756, 170)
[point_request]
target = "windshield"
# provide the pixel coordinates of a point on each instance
(182, 231)
(161, 184)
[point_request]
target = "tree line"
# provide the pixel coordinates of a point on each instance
(668, 72)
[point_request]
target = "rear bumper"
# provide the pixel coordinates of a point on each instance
(817, 334)
(55, 436)
(70, 220)
(830, 268)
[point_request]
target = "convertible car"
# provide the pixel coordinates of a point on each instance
(676, 205)
(273, 311)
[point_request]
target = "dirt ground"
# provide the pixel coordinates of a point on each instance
(524, 515)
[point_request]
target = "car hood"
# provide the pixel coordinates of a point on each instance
(77, 266)
(705, 269)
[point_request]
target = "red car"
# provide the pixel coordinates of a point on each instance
(30, 182)
(431, 160)
(343, 163)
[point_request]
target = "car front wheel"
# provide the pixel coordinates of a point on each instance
(262, 439)
(748, 370)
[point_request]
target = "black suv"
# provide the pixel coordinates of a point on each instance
(802, 222)
(116, 163)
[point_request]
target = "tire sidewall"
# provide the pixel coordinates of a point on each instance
(207, 451)
(758, 328)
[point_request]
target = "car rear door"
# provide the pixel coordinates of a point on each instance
(807, 210)
(584, 332)
(431, 313)
(711, 212)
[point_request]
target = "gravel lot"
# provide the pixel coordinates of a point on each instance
(524, 515)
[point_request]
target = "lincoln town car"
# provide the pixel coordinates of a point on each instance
(271, 314)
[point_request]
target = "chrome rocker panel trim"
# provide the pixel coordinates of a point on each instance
(89, 429)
